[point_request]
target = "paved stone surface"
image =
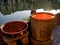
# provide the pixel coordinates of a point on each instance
(56, 35)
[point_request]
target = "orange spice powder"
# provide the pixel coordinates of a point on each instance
(43, 16)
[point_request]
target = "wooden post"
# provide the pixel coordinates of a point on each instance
(25, 40)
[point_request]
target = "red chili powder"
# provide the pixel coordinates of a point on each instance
(14, 26)
(43, 16)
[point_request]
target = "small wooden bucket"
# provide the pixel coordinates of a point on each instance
(41, 29)
(34, 42)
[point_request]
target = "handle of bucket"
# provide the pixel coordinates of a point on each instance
(33, 11)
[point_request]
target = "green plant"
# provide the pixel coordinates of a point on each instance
(26, 19)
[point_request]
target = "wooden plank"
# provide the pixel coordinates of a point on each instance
(23, 38)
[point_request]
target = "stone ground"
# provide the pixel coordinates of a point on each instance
(56, 35)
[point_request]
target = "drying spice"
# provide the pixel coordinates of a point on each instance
(43, 16)
(15, 26)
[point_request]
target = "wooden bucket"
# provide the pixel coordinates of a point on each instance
(34, 42)
(55, 21)
(41, 29)
(58, 18)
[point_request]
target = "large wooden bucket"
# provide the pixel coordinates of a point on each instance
(41, 29)
(34, 42)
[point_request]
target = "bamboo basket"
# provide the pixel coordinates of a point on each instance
(34, 42)
(41, 29)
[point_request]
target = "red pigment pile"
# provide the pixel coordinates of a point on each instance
(15, 26)
(43, 16)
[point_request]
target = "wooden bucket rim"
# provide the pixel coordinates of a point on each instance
(44, 13)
